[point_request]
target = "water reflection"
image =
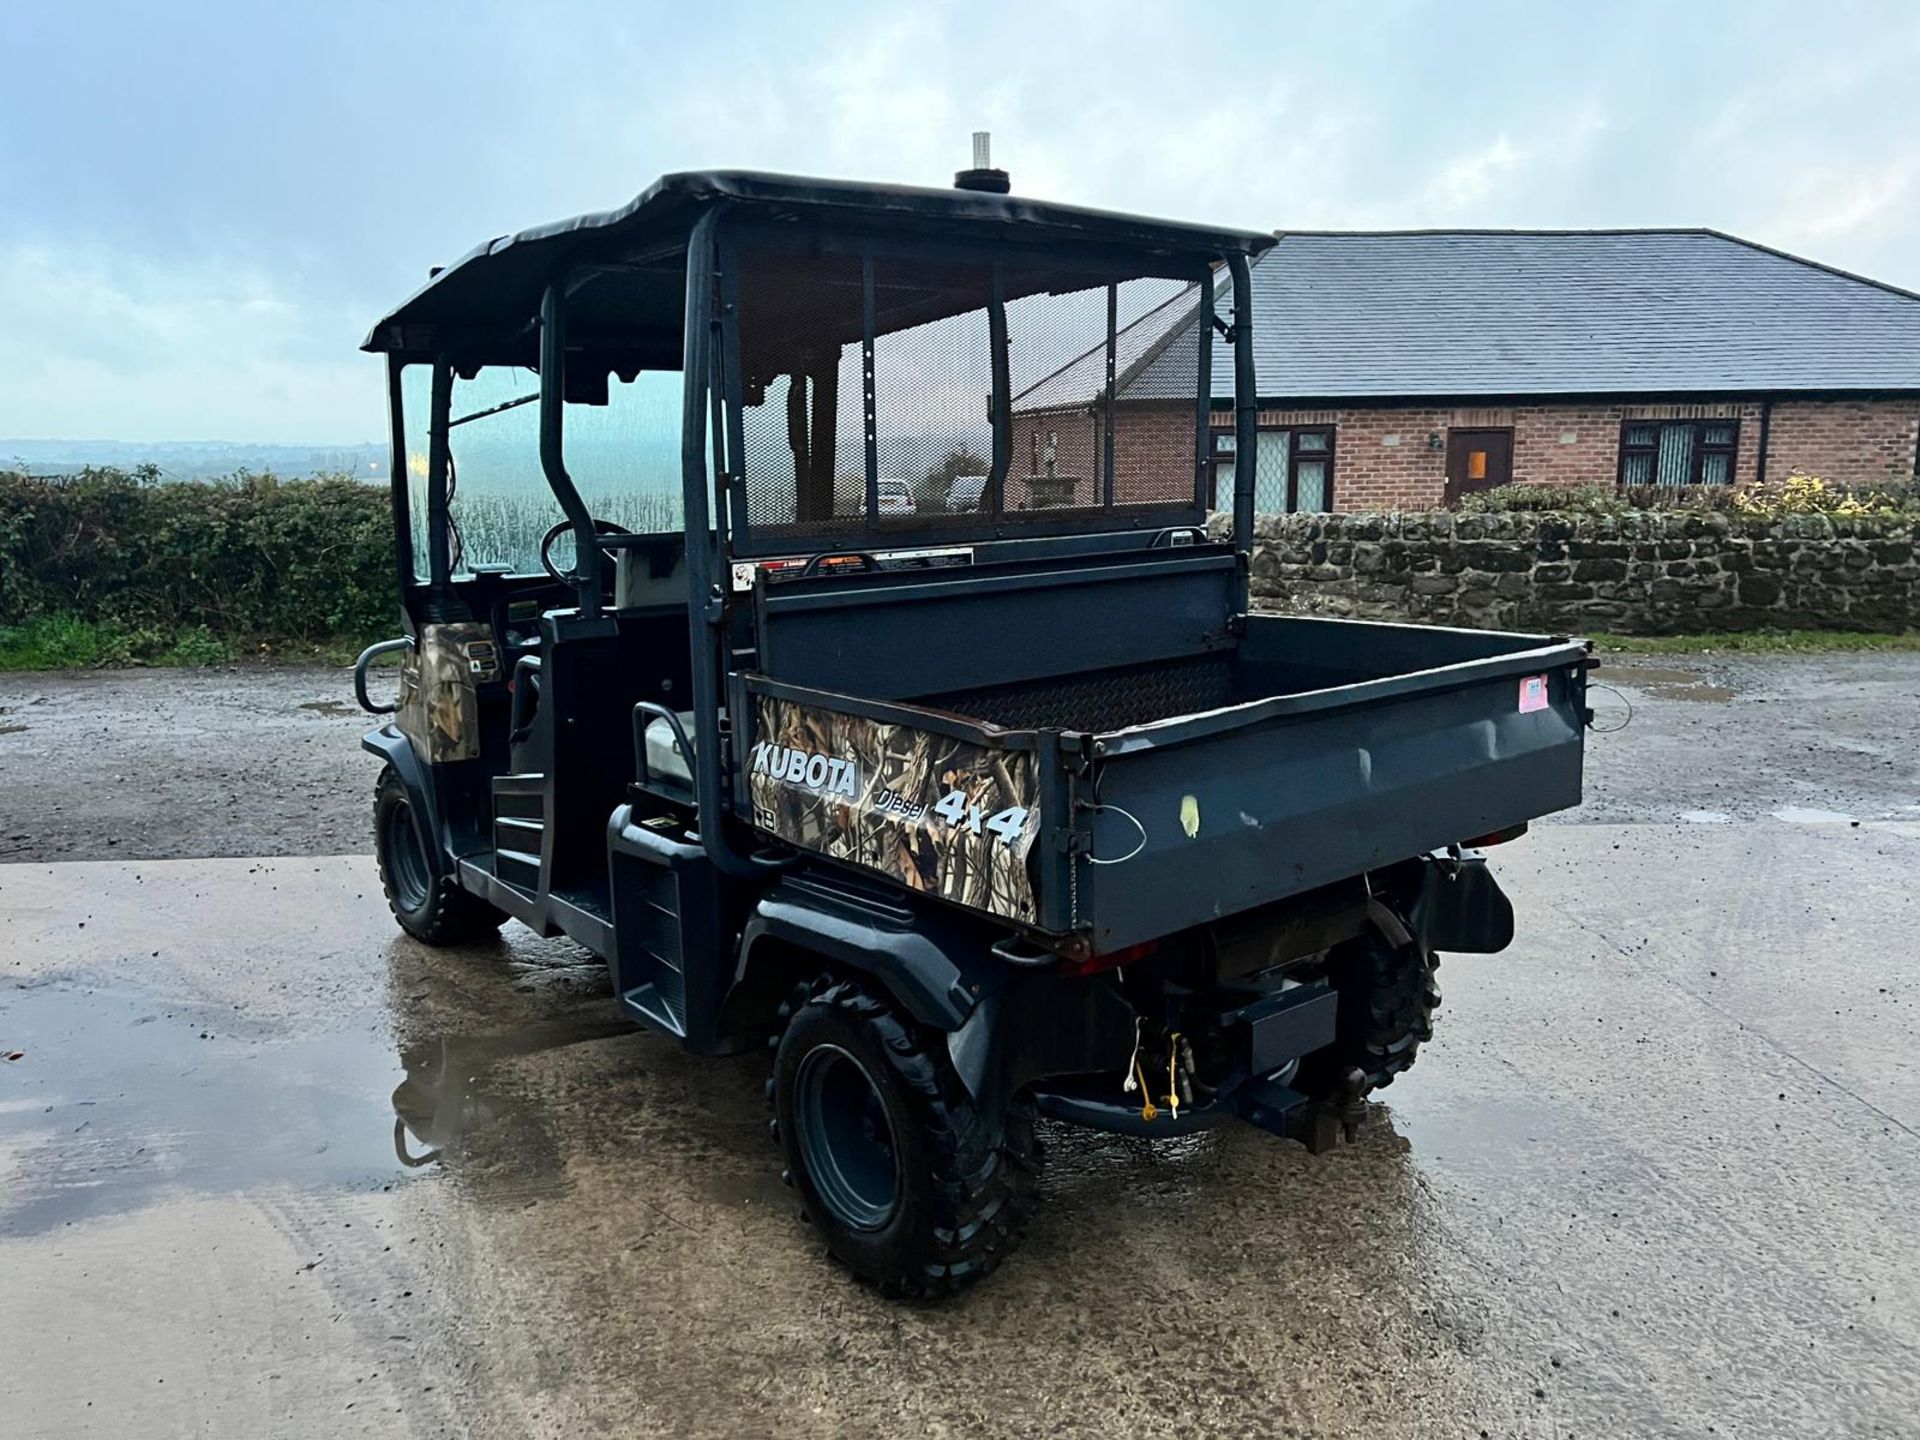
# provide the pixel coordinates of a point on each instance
(463, 1022)
(128, 1091)
(455, 1097)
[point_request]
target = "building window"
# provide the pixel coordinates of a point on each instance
(1678, 452)
(1292, 471)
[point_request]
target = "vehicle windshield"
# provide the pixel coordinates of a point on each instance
(624, 457)
(870, 367)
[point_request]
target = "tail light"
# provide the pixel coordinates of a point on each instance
(1497, 837)
(1112, 960)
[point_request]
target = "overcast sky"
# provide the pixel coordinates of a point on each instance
(204, 205)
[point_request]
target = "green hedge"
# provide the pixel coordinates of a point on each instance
(248, 559)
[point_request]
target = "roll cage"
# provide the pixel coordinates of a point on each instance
(751, 285)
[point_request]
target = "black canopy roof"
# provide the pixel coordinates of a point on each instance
(495, 288)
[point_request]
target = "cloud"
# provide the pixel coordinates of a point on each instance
(1846, 202)
(1464, 183)
(100, 343)
(233, 192)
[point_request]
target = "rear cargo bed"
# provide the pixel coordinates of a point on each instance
(1157, 796)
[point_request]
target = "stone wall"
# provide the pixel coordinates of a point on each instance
(1646, 572)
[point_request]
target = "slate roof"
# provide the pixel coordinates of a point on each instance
(1507, 313)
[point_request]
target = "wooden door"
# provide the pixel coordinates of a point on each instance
(1477, 460)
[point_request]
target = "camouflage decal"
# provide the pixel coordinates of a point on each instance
(438, 710)
(944, 816)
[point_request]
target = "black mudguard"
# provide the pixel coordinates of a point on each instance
(1006, 1024)
(394, 748)
(938, 967)
(1461, 907)
(1043, 1024)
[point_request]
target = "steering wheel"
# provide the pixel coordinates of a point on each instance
(565, 527)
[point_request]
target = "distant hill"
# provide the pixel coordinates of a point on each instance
(194, 459)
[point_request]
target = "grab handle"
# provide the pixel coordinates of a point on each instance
(526, 696)
(812, 567)
(647, 710)
(367, 657)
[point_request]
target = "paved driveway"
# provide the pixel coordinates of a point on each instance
(268, 1168)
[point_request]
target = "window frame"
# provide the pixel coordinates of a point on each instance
(1216, 453)
(1697, 460)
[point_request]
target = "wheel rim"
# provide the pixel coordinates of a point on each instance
(406, 861)
(846, 1138)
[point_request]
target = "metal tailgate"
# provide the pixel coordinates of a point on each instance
(1207, 815)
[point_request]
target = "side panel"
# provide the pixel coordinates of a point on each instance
(439, 707)
(941, 815)
(906, 635)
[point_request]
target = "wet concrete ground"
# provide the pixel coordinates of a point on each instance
(163, 764)
(251, 760)
(1658, 1174)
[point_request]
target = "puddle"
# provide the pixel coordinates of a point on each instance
(1803, 815)
(124, 1099)
(331, 707)
(449, 1095)
(1487, 1139)
(119, 1100)
(1666, 684)
(1706, 817)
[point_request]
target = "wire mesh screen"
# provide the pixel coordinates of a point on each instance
(866, 391)
(1057, 361)
(933, 386)
(802, 403)
(1154, 454)
(1270, 471)
(1102, 699)
(1100, 420)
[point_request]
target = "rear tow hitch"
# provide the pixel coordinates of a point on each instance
(1317, 1124)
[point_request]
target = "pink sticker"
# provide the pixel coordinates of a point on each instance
(1533, 694)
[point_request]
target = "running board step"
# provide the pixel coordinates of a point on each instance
(516, 867)
(521, 796)
(647, 1005)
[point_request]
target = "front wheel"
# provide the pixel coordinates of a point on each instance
(436, 911)
(917, 1190)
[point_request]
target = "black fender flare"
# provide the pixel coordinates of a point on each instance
(394, 748)
(1043, 1024)
(938, 966)
(1005, 1024)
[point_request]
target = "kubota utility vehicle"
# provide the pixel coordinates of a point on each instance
(970, 812)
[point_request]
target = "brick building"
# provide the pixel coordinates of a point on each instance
(1402, 370)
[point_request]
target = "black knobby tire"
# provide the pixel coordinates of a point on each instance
(962, 1182)
(436, 911)
(1387, 999)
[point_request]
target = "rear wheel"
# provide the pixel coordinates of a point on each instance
(917, 1190)
(1387, 999)
(437, 911)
